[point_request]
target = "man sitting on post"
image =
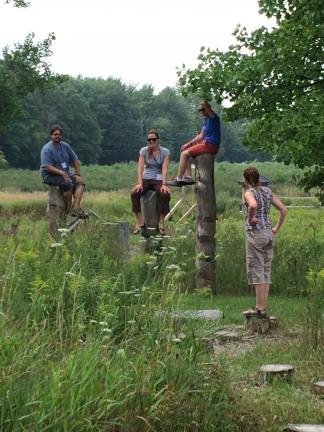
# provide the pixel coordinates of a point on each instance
(56, 158)
(206, 142)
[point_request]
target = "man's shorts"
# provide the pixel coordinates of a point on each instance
(259, 255)
(56, 180)
(203, 147)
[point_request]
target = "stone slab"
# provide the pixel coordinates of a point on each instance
(210, 314)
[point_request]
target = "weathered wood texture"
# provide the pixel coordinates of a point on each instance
(119, 232)
(206, 223)
(149, 212)
(319, 387)
(267, 373)
(304, 428)
(56, 209)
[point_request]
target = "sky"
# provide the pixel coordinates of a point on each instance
(138, 41)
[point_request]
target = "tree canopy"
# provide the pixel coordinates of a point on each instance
(274, 78)
(22, 70)
(107, 121)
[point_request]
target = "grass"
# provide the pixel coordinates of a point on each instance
(83, 349)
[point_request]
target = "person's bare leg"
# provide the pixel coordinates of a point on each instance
(139, 219)
(184, 159)
(262, 293)
(78, 196)
(67, 196)
(188, 172)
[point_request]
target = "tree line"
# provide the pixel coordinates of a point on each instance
(107, 121)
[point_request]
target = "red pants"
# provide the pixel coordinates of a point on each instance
(203, 147)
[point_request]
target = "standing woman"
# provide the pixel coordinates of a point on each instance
(152, 173)
(260, 236)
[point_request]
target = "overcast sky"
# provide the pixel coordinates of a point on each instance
(138, 41)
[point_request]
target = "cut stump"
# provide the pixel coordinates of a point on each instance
(319, 387)
(304, 428)
(119, 232)
(56, 209)
(255, 324)
(267, 373)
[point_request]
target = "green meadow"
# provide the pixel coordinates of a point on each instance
(85, 347)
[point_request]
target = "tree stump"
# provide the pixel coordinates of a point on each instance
(206, 223)
(304, 428)
(319, 387)
(149, 213)
(118, 232)
(255, 324)
(56, 209)
(267, 373)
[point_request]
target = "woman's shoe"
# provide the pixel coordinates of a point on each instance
(138, 229)
(162, 230)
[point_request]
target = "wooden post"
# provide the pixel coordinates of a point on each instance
(149, 212)
(206, 223)
(56, 209)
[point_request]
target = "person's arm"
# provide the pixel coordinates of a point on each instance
(77, 167)
(282, 212)
(52, 170)
(165, 168)
(194, 140)
(140, 171)
(252, 208)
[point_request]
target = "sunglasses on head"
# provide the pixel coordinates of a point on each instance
(151, 139)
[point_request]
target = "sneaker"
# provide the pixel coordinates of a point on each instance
(262, 313)
(253, 311)
(188, 180)
(175, 182)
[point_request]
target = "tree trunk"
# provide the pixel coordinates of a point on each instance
(206, 223)
(56, 209)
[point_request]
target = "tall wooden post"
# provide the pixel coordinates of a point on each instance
(206, 224)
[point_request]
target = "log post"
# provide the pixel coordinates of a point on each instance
(206, 223)
(149, 212)
(56, 209)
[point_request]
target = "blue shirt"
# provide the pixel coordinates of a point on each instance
(153, 165)
(212, 130)
(60, 156)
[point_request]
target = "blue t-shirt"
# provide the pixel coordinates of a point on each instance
(212, 130)
(60, 156)
(153, 165)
